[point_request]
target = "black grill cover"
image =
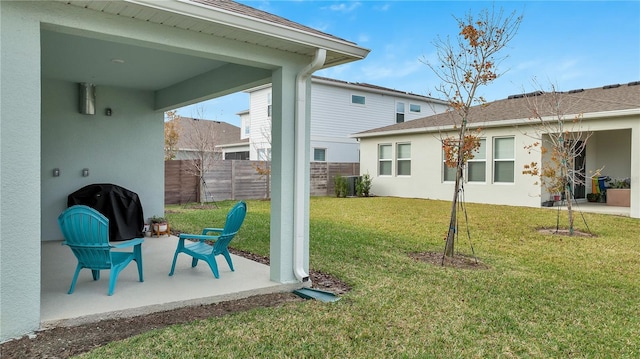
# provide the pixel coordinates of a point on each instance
(121, 206)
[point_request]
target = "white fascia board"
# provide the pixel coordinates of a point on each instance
(239, 144)
(616, 113)
(257, 88)
(247, 23)
(502, 123)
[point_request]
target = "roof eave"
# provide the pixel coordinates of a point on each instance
(237, 144)
(350, 51)
(501, 123)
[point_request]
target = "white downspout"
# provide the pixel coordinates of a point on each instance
(300, 163)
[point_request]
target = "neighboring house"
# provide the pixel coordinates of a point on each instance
(222, 138)
(138, 59)
(406, 160)
(338, 109)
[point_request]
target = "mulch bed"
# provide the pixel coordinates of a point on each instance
(459, 261)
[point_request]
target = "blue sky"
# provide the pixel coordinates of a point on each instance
(571, 44)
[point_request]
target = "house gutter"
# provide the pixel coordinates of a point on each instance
(301, 162)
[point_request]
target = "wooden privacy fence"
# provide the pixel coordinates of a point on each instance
(239, 179)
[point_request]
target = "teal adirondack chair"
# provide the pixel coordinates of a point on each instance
(206, 252)
(86, 232)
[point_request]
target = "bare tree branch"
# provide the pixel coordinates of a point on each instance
(464, 67)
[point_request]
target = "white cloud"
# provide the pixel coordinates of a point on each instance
(344, 7)
(383, 7)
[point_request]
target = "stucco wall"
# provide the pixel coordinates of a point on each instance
(613, 152)
(426, 180)
(19, 172)
(125, 149)
(613, 144)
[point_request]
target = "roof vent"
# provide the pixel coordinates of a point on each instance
(634, 83)
(533, 94)
(576, 91)
(515, 96)
(611, 86)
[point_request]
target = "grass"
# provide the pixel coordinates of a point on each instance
(544, 296)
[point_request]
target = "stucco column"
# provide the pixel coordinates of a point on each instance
(283, 169)
(635, 171)
(19, 172)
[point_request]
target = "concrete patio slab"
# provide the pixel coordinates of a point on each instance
(595, 207)
(159, 292)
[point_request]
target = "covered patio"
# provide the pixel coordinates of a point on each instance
(159, 292)
(89, 83)
(591, 207)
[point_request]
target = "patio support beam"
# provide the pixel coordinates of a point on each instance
(283, 169)
(635, 171)
(221, 81)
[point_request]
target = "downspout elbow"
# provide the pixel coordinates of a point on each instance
(300, 158)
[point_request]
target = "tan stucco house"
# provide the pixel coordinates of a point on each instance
(406, 159)
(138, 58)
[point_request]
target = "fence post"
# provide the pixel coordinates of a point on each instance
(233, 182)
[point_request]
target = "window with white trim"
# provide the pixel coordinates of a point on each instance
(448, 173)
(503, 160)
(403, 162)
(358, 100)
(269, 107)
(320, 154)
(399, 112)
(385, 160)
(477, 166)
(475, 169)
(415, 108)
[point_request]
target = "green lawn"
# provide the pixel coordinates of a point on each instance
(543, 297)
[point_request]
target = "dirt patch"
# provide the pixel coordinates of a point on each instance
(564, 232)
(458, 261)
(65, 342)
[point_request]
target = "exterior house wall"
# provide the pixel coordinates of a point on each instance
(334, 117)
(245, 125)
(19, 171)
(260, 123)
(613, 151)
(341, 150)
(426, 179)
(612, 145)
(111, 147)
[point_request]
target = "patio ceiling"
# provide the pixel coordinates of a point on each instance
(106, 63)
(176, 73)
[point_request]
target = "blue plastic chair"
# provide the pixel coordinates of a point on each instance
(201, 250)
(86, 232)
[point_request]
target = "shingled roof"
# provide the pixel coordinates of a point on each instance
(582, 101)
(224, 133)
(245, 10)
